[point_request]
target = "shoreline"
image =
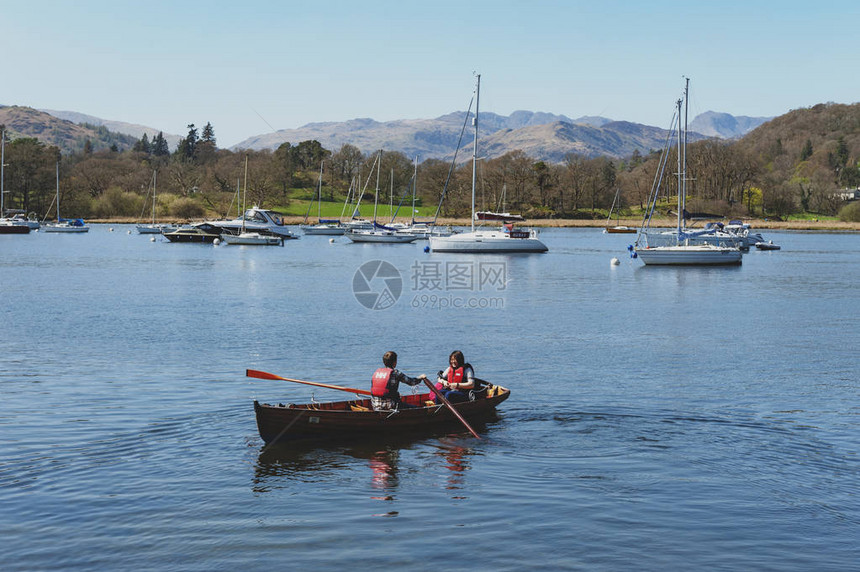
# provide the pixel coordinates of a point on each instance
(663, 222)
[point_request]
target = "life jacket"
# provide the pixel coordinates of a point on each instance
(458, 375)
(379, 382)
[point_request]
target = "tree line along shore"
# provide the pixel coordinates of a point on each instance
(793, 168)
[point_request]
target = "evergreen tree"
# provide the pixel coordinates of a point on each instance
(208, 135)
(88, 147)
(159, 145)
(143, 145)
(187, 149)
(206, 146)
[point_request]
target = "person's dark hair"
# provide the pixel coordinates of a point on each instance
(390, 359)
(457, 355)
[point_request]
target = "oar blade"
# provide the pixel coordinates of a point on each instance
(261, 374)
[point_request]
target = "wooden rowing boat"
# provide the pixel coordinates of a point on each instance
(342, 419)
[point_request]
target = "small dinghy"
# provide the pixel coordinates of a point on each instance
(769, 245)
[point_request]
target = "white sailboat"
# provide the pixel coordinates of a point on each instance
(250, 238)
(422, 230)
(153, 227)
(328, 227)
(379, 233)
(504, 239)
(681, 247)
(63, 225)
(617, 228)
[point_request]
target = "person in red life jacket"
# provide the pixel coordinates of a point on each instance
(457, 380)
(385, 383)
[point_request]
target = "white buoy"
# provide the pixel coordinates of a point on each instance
(128, 232)
(110, 229)
(151, 239)
(615, 262)
(331, 241)
(216, 242)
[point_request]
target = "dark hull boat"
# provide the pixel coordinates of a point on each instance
(203, 232)
(340, 420)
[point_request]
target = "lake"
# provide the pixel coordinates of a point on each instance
(660, 418)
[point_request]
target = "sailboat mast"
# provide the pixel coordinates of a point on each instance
(376, 194)
(245, 194)
(154, 172)
(319, 193)
(686, 115)
(414, 188)
(58, 192)
(475, 149)
(680, 174)
(2, 169)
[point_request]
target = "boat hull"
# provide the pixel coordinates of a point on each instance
(65, 228)
(155, 228)
(488, 241)
(14, 229)
(349, 419)
(252, 239)
(203, 233)
(385, 237)
(703, 255)
(323, 230)
(619, 230)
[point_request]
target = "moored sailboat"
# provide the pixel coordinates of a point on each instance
(154, 227)
(64, 225)
(504, 239)
(679, 248)
(323, 226)
(250, 238)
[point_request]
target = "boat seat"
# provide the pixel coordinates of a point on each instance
(359, 408)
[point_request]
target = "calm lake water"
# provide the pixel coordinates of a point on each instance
(660, 418)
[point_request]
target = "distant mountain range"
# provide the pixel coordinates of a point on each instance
(542, 136)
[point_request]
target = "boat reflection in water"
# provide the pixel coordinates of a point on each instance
(281, 466)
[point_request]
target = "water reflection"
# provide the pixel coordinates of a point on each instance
(456, 460)
(278, 466)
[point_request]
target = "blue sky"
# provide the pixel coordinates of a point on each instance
(250, 67)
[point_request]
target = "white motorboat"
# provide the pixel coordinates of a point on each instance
(19, 217)
(249, 236)
(681, 246)
(64, 225)
(505, 239)
(256, 219)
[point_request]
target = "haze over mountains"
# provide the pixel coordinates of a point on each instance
(542, 136)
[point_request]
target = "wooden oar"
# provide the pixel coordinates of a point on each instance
(265, 375)
(451, 407)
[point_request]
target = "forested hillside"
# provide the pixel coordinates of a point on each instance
(67, 136)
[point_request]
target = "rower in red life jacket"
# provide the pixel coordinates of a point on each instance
(458, 379)
(385, 383)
